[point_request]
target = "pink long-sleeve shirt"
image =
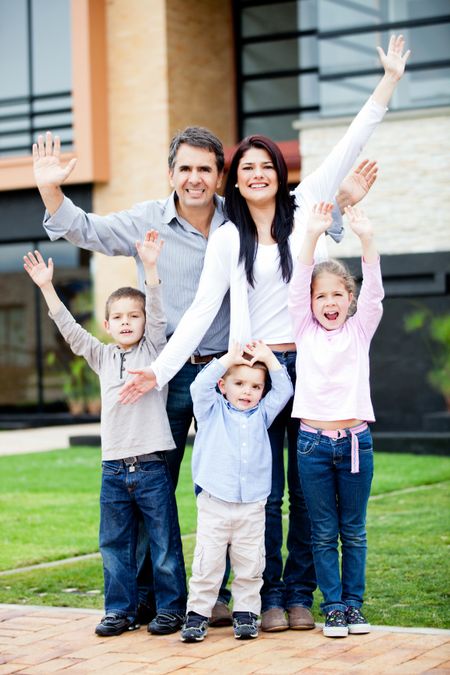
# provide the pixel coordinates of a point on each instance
(333, 365)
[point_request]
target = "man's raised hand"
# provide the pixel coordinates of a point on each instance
(48, 170)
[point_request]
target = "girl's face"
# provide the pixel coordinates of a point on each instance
(257, 179)
(330, 300)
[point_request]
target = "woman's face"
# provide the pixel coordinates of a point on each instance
(257, 179)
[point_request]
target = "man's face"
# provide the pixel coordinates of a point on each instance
(126, 322)
(195, 177)
(243, 386)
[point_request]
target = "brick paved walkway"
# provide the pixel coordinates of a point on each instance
(43, 641)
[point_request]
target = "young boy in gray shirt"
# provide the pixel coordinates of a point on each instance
(135, 476)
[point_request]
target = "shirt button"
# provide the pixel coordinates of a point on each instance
(244, 443)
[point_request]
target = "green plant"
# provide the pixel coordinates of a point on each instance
(80, 384)
(436, 331)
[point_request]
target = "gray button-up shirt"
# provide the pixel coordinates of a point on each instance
(180, 263)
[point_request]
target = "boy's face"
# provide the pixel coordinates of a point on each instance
(330, 300)
(243, 386)
(126, 322)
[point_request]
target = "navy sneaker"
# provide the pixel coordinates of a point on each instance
(195, 628)
(335, 624)
(165, 624)
(244, 625)
(356, 621)
(115, 624)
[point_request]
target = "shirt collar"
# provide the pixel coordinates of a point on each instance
(170, 214)
(247, 413)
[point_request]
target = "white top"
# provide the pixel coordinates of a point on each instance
(334, 363)
(262, 312)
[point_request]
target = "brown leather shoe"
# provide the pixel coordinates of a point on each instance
(274, 620)
(220, 615)
(300, 618)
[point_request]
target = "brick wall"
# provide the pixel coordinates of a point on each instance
(170, 64)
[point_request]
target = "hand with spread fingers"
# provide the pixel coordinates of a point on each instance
(144, 380)
(357, 184)
(47, 167)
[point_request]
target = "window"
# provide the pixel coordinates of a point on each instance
(35, 73)
(310, 57)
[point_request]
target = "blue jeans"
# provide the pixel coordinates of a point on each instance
(337, 505)
(180, 413)
(295, 585)
(124, 495)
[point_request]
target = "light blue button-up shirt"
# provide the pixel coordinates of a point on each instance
(232, 459)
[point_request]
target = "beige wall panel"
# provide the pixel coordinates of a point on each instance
(201, 66)
(138, 123)
(410, 202)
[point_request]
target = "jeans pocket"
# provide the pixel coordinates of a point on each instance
(365, 441)
(306, 443)
(111, 468)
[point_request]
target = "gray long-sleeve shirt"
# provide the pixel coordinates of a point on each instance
(126, 430)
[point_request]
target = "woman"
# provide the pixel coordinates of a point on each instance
(252, 256)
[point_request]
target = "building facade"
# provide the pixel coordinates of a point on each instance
(117, 79)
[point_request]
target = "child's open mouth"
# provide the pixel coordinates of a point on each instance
(331, 316)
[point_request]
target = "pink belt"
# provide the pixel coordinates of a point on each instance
(340, 433)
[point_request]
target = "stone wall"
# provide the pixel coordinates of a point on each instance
(410, 202)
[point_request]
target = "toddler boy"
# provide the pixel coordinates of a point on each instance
(232, 472)
(135, 476)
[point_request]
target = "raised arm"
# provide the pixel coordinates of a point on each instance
(299, 301)
(369, 308)
(79, 340)
(42, 276)
(155, 319)
(323, 183)
(49, 173)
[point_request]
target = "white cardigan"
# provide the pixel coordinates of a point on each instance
(221, 270)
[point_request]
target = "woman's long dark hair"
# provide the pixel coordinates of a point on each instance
(238, 212)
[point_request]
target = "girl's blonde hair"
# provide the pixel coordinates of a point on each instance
(338, 268)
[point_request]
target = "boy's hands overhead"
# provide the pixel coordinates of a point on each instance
(35, 265)
(149, 249)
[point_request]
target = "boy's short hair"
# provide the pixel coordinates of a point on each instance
(124, 292)
(258, 364)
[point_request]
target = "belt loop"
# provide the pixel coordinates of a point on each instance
(354, 452)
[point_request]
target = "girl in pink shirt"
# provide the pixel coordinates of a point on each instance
(332, 399)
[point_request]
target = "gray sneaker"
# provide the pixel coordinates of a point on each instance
(195, 628)
(244, 625)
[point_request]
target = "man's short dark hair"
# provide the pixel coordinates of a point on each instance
(124, 292)
(198, 137)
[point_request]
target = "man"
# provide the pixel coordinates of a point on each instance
(184, 221)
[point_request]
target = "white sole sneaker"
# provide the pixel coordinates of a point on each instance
(359, 628)
(335, 631)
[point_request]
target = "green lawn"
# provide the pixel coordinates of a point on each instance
(49, 511)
